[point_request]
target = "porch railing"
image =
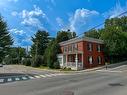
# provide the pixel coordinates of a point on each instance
(73, 65)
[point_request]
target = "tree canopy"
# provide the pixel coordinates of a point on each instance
(5, 39)
(114, 35)
(51, 52)
(40, 42)
(65, 35)
(93, 33)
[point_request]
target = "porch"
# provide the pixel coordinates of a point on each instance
(73, 61)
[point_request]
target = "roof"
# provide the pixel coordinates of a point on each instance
(75, 40)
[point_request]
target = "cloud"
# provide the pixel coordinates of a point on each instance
(80, 18)
(14, 13)
(60, 21)
(31, 18)
(115, 11)
(17, 32)
(20, 37)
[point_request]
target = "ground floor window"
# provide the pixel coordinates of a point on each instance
(79, 57)
(90, 59)
(71, 58)
(99, 60)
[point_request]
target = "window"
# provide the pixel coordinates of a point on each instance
(75, 47)
(89, 47)
(98, 48)
(99, 60)
(70, 58)
(60, 60)
(90, 60)
(70, 48)
(65, 49)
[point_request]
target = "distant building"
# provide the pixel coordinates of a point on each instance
(81, 53)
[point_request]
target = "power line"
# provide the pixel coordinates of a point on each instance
(102, 23)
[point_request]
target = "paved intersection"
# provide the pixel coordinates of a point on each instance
(25, 77)
(104, 82)
(10, 73)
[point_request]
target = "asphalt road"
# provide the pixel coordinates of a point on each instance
(16, 73)
(85, 83)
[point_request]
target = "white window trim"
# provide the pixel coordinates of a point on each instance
(90, 60)
(99, 59)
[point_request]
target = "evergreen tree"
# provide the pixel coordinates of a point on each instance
(40, 42)
(5, 39)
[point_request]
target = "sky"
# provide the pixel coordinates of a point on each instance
(25, 17)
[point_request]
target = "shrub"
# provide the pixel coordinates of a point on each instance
(27, 62)
(38, 61)
(56, 65)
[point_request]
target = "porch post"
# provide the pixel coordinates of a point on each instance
(76, 61)
(82, 60)
(66, 60)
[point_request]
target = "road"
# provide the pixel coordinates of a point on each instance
(99, 82)
(14, 73)
(85, 83)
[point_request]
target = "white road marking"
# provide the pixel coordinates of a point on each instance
(17, 79)
(1, 80)
(9, 79)
(31, 77)
(43, 76)
(37, 76)
(47, 75)
(24, 78)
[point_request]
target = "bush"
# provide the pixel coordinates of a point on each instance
(38, 61)
(66, 69)
(14, 61)
(27, 62)
(56, 65)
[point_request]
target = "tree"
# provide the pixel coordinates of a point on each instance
(5, 39)
(40, 42)
(117, 22)
(114, 35)
(65, 35)
(15, 55)
(93, 34)
(115, 41)
(50, 55)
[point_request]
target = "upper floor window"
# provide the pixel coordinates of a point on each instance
(89, 46)
(75, 47)
(70, 48)
(65, 49)
(98, 48)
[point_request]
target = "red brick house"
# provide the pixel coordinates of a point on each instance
(81, 53)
